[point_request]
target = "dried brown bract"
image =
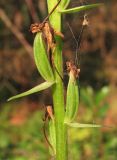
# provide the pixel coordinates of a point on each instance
(48, 33)
(72, 68)
(47, 30)
(48, 113)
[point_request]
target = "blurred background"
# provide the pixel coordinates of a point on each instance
(21, 133)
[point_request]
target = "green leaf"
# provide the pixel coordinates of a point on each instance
(41, 58)
(81, 8)
(72, 101)
(101, 95)
(38, 88)
(79, 125)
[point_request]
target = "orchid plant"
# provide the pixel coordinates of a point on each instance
(48, 57)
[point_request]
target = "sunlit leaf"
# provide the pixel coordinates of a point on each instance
(79, 125)
(81, 8)
(38, 88)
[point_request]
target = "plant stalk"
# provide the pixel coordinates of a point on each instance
(58, 89)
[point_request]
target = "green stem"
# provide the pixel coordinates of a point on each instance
(58, 89)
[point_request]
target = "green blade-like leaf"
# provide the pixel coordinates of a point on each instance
(101, 95)
(81, 8)
(38, 88)
(79, 125)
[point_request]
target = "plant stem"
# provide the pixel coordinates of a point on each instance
(58, 89)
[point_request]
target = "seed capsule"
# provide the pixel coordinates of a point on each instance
(72, 101)
(41, 58)
(52, 137)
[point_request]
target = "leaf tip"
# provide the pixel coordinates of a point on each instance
(10, 99)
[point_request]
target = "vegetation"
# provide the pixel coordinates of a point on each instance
(22, 136)
(60, 118)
